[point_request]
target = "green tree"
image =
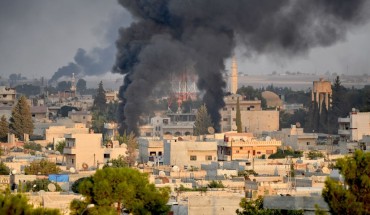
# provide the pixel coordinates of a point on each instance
(21, 120)
(40, 184)
(100, 100)
(4, 170)
(81, 86)
(353, 195)
(4, 129)
(238, 118)
(32, 146)
(119, 162)
(123, 188)
(18, 204)
(43, 167)
(216, 184)
(76, 184)
(202, 121)
(98, 120)
(315, 154)
(60, 146)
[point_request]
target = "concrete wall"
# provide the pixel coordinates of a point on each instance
(213, 205)
(306, 203)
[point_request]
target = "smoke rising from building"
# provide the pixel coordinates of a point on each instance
(97, 61)
(167, 35)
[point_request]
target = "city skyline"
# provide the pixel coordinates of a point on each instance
(43, 27)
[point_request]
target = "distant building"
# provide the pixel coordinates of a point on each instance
(39, 112)
(7, 96)
(111, 96)
(254, 119)
(80, 117)
(243, 146)
(321, 93)
(234, 76)
(295, 138)
(176, 124)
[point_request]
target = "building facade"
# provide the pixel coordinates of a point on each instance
(243, 146)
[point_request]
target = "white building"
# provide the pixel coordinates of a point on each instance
(355, 126)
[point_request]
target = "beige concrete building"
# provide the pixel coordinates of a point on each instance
(169, 125)
(189, 152)
(243, 146)
(56, 133)
(84, 117)
(7, 96)
(322, 92)
(111, 96)
(39, 112)
(151, 149)
(298, 140)
(87, 150)
(254, 119)
(355, 126)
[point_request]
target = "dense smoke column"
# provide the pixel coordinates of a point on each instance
(167, 35)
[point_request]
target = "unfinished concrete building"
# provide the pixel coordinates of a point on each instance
(322, 92)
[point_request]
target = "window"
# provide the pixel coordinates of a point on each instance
(269, 152)
(308, 143)
(72, 161)
(208, 157)
(159, 153)
(241, 147)
(232, 108)
(225, 109)
(107, 156)
(258, 153)
(224, 119)
(234, 119)
(193, 157)
(237, 151)
(148, 134)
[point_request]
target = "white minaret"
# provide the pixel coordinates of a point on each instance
(73, 84)
(234, 76)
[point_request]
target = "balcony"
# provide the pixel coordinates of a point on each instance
(344, 120)
(69, 150)
(343, 132)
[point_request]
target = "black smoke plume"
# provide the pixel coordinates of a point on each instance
(97, 61)
(169, 34)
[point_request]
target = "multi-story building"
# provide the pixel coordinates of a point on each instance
(254, 119)
(187, 153)
(243, 146)
(87, 150)
(55, 133)
(295, 138)
(7, 96)
(172, 124)
(355, 126)
(151, 149)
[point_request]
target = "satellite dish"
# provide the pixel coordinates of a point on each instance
(234, 128)
(211, 130)
(72, 170)
(51, 187)
(268, 138)
(175, 169)
(14, 171)
(162, 173)
(298, 124)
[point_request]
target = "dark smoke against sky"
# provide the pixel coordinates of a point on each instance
(98, 60)
(168, 35)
